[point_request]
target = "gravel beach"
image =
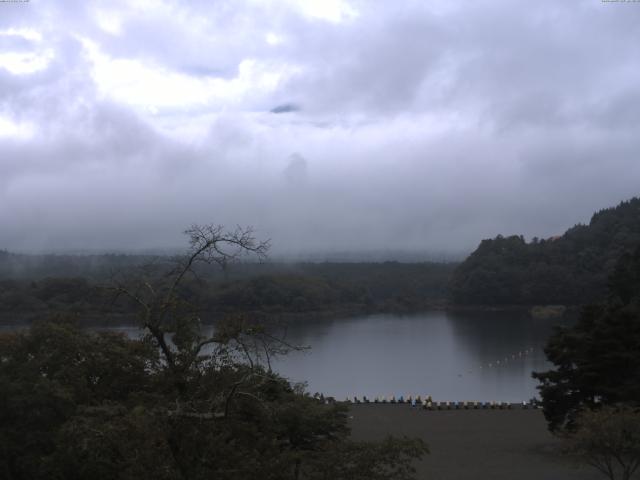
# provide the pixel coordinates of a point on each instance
(473, 444)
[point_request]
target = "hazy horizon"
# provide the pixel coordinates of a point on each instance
(345, 256)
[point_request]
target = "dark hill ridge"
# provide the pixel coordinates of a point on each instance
(571, 269)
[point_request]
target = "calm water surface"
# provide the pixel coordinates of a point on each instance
(481, 356)
(484, 357)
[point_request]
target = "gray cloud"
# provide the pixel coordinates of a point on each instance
(285, 108)
(422, 128)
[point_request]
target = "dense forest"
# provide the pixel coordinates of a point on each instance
(571, 269)
(31, 286)
(597, 360)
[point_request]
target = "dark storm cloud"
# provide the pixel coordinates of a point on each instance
(426, 125)
(285, 108)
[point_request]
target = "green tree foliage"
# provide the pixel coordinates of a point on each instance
(571, 269)
(259, 288)
(47, 375)
(177, 403)
(597, 361)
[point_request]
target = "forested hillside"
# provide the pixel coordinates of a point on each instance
(78, 285)
(598, 357)
(571, 269)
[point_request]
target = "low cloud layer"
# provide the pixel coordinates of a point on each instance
(328, 125)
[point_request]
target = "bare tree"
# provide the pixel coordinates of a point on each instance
(172, 323)
(608, 439)
(256, 343)
(170, 320)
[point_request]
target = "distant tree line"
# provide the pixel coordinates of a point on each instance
(268, 288)
(312, 287)
(571, 269)
(33, 266)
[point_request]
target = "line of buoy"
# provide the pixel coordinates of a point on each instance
(427, 403)
(503, 361)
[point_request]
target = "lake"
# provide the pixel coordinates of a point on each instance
(480, 356)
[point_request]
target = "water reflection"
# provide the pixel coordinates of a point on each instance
(450, 356)
(484, 357)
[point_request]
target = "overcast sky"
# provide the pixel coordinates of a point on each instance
(326, 124)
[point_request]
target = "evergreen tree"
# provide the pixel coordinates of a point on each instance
(571, 269)
(598, 360)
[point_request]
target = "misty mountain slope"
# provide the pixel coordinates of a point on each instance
(571, 269)
(35, 286)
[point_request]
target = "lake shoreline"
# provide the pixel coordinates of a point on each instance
(93, 319)
(484, 357)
